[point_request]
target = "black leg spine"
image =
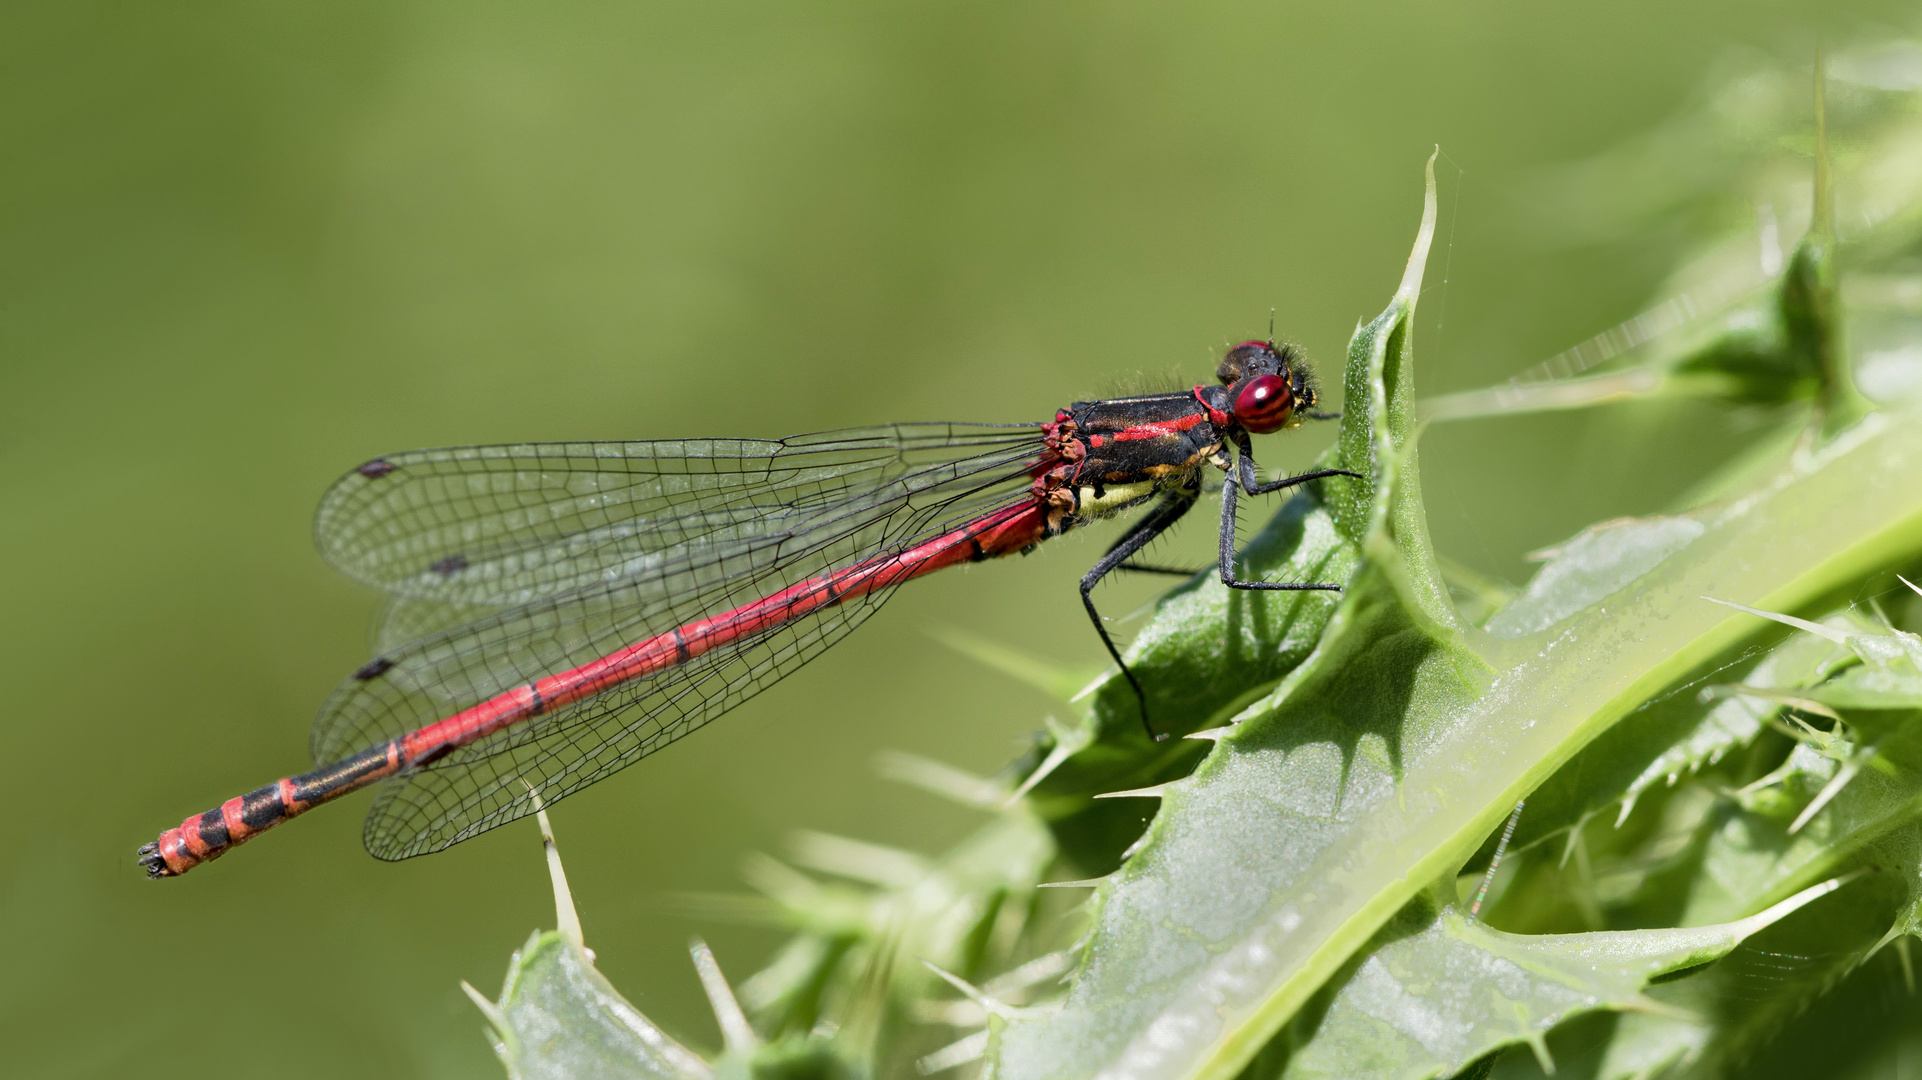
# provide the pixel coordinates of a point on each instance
(1244, 477)
(1139, 536)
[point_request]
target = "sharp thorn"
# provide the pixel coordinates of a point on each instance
(736, 1032)
(1817, 629)
(1137, 793)
(1085, 883)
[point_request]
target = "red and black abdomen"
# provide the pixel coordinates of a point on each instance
(208, 836)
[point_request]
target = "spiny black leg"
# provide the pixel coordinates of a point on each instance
(1159, 517)
(1249, 480)
(1187, 497)
(1143, 568)
(1139, 536)
(1227, 552)
(1294, 481)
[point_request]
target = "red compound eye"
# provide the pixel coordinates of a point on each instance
(1263, 404)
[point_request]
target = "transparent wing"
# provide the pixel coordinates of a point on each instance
(658, 582)
(405, 618)
(492, 782)
(497, 526)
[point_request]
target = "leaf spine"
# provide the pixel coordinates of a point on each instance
(1154, 792)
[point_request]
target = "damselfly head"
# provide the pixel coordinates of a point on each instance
(1269, 385)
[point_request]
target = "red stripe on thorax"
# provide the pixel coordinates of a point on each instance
(1159, 428)
(1215, 416)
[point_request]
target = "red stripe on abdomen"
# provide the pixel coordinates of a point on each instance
(210, 835)
(997, 534)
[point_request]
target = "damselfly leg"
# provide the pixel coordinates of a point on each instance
(1164, 516)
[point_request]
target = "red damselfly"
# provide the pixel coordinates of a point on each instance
(562, 610)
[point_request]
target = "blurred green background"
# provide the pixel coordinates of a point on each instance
(244, 247)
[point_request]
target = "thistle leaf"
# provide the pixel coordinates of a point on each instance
(1430, 1002)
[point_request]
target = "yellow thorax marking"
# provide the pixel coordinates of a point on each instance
(1113, 497)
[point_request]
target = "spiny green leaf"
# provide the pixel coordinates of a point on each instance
(1691, 725)
(1428, 1003)
(1720, 1017)
(962, 912)
(1733, 719)
(1600, 561)
(1888, 679)
(1754, 852)
(559, 1019)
